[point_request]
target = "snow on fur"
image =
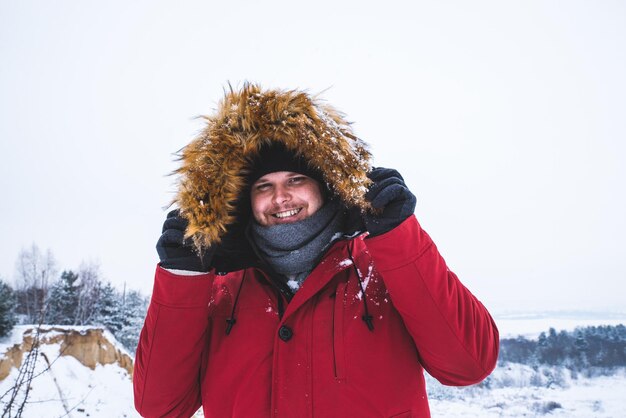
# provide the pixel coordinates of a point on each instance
(214, 165)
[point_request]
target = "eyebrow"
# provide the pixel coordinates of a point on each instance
(264, 180)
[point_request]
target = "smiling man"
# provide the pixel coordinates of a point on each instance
(283, 188)
(284, 197)
(295, 280)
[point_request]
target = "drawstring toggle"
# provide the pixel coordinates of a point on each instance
(230, 321)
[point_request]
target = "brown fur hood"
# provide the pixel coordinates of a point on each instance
(214, 165)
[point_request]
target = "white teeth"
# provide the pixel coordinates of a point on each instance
(286, 213)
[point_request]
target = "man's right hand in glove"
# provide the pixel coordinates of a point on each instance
(178, 253)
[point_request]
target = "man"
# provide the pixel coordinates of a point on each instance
(295, 280)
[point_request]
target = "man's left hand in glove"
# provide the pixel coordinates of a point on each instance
(391, 200)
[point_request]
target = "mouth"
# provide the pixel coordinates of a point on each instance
(287, 213)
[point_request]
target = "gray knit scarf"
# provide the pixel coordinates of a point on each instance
(292, 249)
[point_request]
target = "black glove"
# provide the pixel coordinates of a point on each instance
(392, 201)
(177, 253)
(234, 253)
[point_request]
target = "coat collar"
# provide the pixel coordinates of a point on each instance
(336, 260)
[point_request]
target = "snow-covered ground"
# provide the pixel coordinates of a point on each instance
(598, 397)
(106, 391)
(511, 393)
(63, 387)
(515, 390)
(70, 389)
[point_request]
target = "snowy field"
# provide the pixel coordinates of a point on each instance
(66, 388)
(63, 387)
(70, 389)
(597, 397)
(600, 397)
(512, 395)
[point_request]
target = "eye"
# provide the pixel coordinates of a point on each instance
(297, 179)
(262, 187)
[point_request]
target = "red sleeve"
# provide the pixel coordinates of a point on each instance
(174, 337)
(455, 336)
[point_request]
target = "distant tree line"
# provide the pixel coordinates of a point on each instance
(591, 350)
(78, 297)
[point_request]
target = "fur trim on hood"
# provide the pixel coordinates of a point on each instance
(215, 164)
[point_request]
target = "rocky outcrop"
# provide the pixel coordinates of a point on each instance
(11, 358)
(89, 346)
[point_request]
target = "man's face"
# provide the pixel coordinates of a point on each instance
(284, 197)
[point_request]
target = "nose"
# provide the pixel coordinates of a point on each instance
(281, 195)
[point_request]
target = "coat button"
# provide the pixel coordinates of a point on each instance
(285, 333)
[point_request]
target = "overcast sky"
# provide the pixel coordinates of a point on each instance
(507, 119)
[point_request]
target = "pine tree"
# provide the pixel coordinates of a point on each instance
(581, 350)
(63, 300)
(89, 293)
(109, 312)
(7, 309)
(134, 307)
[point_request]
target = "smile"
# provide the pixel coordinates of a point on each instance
(287, 213)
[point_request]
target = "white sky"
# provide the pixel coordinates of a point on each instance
(507, 120)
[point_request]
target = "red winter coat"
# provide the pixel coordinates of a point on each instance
(320, 359)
